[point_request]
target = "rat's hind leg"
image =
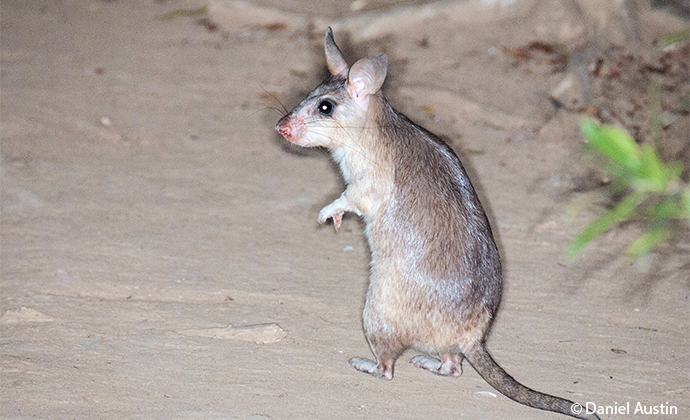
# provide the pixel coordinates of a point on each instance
(386, 352)
(451, 365)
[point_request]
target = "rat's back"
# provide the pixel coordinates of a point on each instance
(435, 264)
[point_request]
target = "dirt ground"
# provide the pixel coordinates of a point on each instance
(160, 253)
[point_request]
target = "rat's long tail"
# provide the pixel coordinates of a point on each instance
(492, 373)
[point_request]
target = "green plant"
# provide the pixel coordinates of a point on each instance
(653, 191)
(200, 12)
(674, 38)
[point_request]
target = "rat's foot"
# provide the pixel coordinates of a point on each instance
(427, 363)
(336, 209)
(373, 369)
(331, 212)
(451, 365)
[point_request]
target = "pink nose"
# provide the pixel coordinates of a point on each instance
(284, 127)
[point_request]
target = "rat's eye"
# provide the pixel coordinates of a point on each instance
(326, 107)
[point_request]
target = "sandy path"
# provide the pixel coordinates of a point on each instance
(160, 251)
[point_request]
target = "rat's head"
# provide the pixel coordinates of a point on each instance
(336, 111)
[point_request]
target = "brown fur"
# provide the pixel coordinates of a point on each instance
(436, 277)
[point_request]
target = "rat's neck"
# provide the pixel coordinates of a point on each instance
(366, 152)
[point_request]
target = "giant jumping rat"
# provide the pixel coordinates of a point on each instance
(436, 279)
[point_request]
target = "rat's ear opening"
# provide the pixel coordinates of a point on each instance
(334, 58)
(366, 76)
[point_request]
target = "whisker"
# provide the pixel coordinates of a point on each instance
(274, 97)
(280, 112)
(267, 108)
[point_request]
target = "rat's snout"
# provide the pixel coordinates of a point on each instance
(293, 129)
(283, 126)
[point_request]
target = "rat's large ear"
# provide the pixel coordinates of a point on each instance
(336, 62)
(366, 76)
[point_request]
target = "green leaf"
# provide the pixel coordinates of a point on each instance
(653, 173)
(648, 241)
(175, 14)
(673, 38)
(669, 208)
(609, 218)
(615, 144)
(685, 208)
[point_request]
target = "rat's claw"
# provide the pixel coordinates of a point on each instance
(335, 211)
(337, 220)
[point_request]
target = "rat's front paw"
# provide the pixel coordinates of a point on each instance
(331, 213)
